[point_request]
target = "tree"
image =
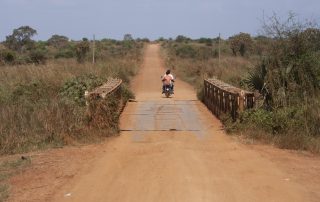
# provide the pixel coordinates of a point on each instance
(311, 36)
(181, 38)
(82, 49)
(127, 37)
(206, 41)
(291, 65)
(241, 43)
(20, 39)
(58, 41)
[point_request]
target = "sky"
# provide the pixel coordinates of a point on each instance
(147, 18)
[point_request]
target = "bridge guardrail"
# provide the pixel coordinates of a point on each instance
(221, 97)
(110, 87)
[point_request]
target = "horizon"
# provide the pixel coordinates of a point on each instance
(146, 18)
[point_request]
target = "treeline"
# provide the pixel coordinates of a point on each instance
(282, 66)
(19, 48)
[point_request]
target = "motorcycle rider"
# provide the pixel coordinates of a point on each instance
(167, 79)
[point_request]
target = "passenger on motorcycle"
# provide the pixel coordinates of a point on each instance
(167, 79)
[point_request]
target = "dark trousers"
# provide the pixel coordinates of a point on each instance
(171, 86)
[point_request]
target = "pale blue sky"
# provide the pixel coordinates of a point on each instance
(146, 18)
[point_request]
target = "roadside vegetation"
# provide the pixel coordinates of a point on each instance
(43, 83)
(281, 66)
(8, 168)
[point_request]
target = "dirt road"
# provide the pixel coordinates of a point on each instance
(175, 150)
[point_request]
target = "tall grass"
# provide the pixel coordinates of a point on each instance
(194, 69)
(36, 109)
(291, 119)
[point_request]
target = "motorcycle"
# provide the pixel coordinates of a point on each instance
(168, 90)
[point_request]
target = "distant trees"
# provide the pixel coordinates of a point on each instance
(127, 37)
(241, 43)
(58, 41)
(20, 39)
(206, 41)
(181, 38)
(82, 49)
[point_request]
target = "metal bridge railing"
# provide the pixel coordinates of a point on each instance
(221, 98)
(110, 87)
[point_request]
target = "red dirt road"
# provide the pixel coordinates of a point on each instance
(173, 149)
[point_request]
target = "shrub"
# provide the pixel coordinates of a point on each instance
(38, 56)
(64, 53)
(32, 92)
(186, 51)
(73, 90)
(7, 56)
(82, 49)
(206, 41)
(181, 38)
(241, 43)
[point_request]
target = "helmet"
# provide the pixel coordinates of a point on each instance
(168, 71)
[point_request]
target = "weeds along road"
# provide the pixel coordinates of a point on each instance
(173, 149)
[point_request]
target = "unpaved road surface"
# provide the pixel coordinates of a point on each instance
(174, 149)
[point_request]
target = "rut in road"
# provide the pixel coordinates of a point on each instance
(174, 149)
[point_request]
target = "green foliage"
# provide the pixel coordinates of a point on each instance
(206, 41)
(38, 56)
(73, 90)
(126, 93)
(181, 38)
(186, 51)
(127, 37)
(241, 43)
(58, 41)
(280, 122)
(64, 53)
(259, 118)
(288, 78)
(34, 92)
(7, 56)
(82, 49)
(196, 52)
(20, 39)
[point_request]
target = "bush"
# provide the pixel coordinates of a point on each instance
(38, 56)
(7, 56)
(33, 92)
(73, 90)
(126, 93)
(186, 51)
(82, 49)
(64, 53)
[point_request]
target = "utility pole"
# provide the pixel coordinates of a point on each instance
(93, 49)
(219, 51)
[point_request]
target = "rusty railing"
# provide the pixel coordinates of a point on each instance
(222, 98)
